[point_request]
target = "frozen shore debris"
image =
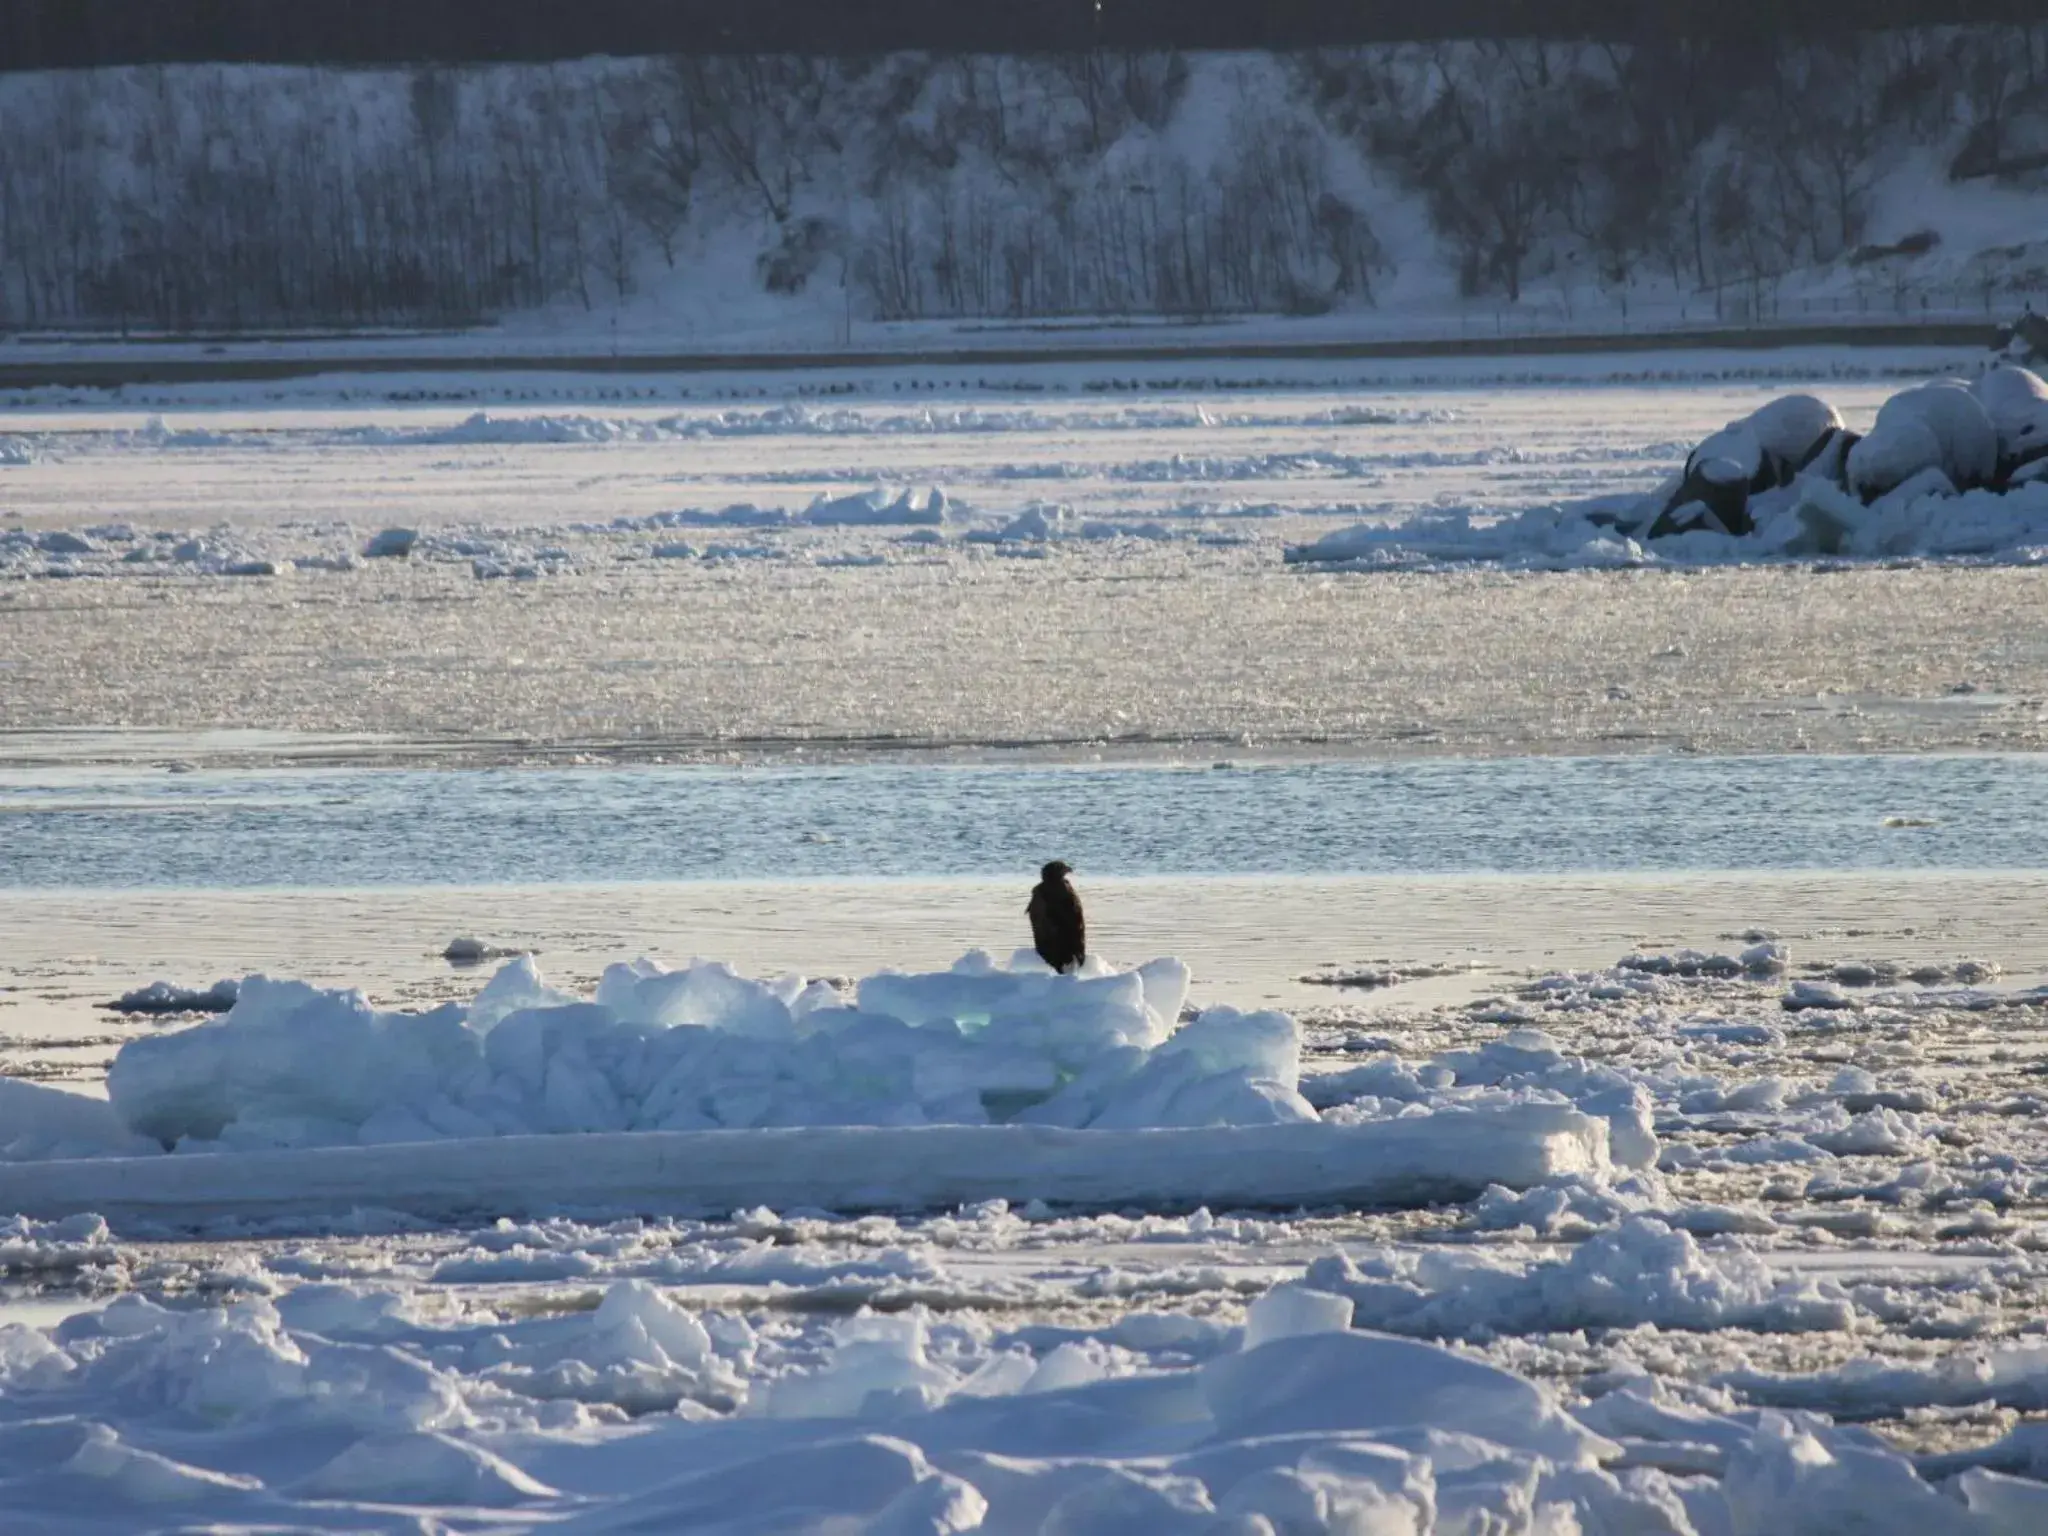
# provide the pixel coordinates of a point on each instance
(1950, 468)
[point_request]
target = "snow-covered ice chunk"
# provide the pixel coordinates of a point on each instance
(878, 1366)
(1287, 1311)
(45, 1247)
(391, 544)
(1948, 415)
(868, 1483)
(1804, 995)
(40, 1121)
(1451, 1155)
(1038, 523)
(2008, 1506)
(1785, 1477)
(289, 1064)
(2016, 399)
(878, 508)
(167, 997)
(1639, 1272)
(126, 1474)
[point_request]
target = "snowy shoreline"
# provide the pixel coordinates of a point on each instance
(31, 363)
(355, 382)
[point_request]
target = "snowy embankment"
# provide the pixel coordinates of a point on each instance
(1949, 469)
(702, 1090)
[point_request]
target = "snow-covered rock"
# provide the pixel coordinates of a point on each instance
(2016, 399)
(1940, 426)
(1949, 470)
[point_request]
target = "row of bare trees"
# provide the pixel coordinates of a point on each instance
(1706, 164)
(196, 198)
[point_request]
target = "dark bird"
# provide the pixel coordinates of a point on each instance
(1058, 929)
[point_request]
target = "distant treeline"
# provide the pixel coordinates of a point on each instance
(912, 186)
(67, 34)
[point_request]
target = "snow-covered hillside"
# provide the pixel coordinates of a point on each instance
(1519, 184)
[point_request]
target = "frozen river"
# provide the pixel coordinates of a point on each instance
(1107, 575)
(112, 827)
(1466, 824)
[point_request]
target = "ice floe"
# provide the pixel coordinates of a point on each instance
(41, 1248)
(705, 1048)
(165, 997)
(1639, 1272)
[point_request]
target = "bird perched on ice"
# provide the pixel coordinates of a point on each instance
(1058, 930)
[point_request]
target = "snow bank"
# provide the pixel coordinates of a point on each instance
(792, 419)
(1948, 470)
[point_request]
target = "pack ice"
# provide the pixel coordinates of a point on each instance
(700, 1089)
(1950, 468)
(1653, 1353)
(349, 1407)
(704, 1048)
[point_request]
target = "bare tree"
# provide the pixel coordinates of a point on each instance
(763, 121)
